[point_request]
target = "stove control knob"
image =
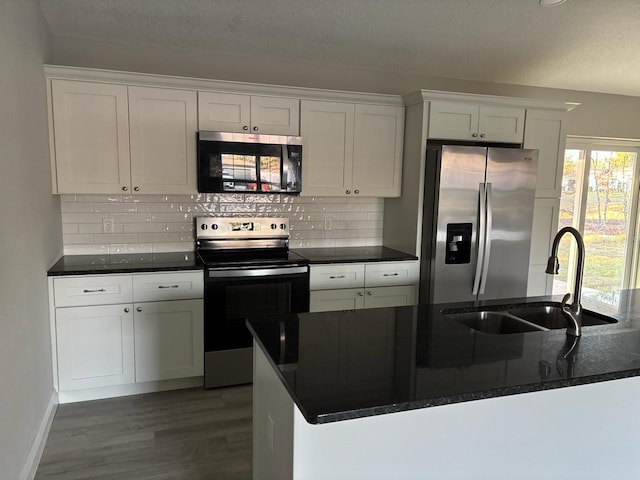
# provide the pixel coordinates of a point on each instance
(204, 226)
(283, 226)
(273, 226)
(214, 226)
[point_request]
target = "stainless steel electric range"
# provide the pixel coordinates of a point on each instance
(249, 271)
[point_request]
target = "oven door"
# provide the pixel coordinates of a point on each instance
(233, 295)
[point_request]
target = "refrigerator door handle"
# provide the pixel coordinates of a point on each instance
(487, 248)
(482, 233)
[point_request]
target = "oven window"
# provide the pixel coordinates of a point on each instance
(257, 299)
(239, 172)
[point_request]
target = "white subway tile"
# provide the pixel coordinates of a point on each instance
(350, 242)
(81, 218)
(95, 198)
(159, 207)
(309, 234)
(86, 249)
(237, 208)
(73, 239)
(143, 227)
(90, 228)
(261, 198)
(144, 198)
(342, 207)
(195, 198)
(114, 207)
(186, 237)
(179, 227)
(129, 217)
(173, 247)
(199, 207)
(68, 228)
(171, 217)
(116, 238)
(120, 248)
(158, 237)
(229, 198)
(75, 207)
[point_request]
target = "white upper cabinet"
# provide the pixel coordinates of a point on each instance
(113, 138)
(230, 112)
(91, 133)
(484, 123)
(162, 125)
(544, 131)
(351, 149)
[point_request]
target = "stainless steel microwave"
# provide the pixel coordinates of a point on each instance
(245, 162)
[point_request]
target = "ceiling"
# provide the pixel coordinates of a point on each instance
(591, 45)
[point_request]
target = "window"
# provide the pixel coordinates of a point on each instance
(599, 198)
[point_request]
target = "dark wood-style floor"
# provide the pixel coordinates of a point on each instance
(185, 434)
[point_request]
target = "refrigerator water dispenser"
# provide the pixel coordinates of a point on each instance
(458, 243)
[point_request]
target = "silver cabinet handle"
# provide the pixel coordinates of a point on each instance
(137, 189)
(124, 189)
(168, 286)
(255, 129)
(356, 191)
(474, 135)
(482, 135)
(369, 293)
(245, 127)
(139, 309)
(361, 294)
(127, 310)
(336, 276)
(86, 290)
(390, 274)
(348, 192)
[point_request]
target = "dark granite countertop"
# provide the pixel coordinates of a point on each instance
(350, 364)
(352, 254)
(124, 263)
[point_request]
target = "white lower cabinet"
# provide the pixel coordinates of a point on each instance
(169, 341)
(95, 346)
(350, 286)
(157, 335)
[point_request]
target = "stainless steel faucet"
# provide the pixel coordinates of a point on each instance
(572, 312)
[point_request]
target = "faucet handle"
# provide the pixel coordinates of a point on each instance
(565, 299)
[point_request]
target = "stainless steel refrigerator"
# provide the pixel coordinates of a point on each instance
(478, 214)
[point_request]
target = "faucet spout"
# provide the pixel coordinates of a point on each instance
(573, 311)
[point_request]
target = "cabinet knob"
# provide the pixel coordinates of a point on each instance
(127, 310)
(139, 309)
(356, 191)
(124, 189)
(474, 135)
(482, 135)
(348, 192)
(137, 189)
(361, 294)
(245, 127)
(255, 129)
(369, 293)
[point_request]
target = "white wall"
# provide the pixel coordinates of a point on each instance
(30, 234)
(599, 114)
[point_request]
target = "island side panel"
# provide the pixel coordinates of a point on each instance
(272, 422)
(587, 432)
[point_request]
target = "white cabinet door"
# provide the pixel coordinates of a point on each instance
(501, 124)
(377, 157)
(163, 125)
(453, 121)
(91, 136)
(95, 346)
(390, 296)
(275, 116)
(232, 112)
(224, 112)
(545, 225)
(327, 130)
(332, 300)
(169, 340)
(544, 130)
(462, 121)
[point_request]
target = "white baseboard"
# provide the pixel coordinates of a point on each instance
(33, 459)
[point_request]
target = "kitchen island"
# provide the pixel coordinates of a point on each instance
(408, 392)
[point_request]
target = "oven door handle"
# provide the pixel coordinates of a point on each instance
(256, 272)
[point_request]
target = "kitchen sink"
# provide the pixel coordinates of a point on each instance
(494, 322)
(524, 319)
(551, 317)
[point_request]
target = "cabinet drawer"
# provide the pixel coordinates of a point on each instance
(90, 290)
(326, 277)
(397, 273)
(153, 287)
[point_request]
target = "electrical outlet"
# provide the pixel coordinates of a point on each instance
(327, 223)
(107, 225)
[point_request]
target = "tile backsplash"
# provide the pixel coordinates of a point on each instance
(164, 223)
